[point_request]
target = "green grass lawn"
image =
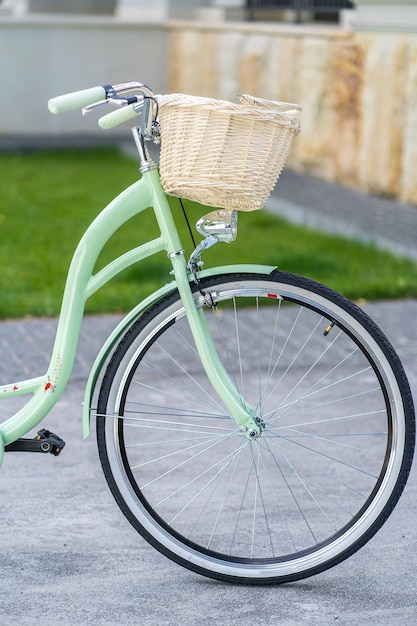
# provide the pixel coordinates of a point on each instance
(49, 198)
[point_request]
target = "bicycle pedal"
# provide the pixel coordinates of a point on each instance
(44, 442)
(55, 442)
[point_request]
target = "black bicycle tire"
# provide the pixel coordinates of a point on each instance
(351, 309)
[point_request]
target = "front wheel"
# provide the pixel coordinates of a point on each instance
(336, 446)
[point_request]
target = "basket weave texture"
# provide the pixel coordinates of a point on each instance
(224, 154)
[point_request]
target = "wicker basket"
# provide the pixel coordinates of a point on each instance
(224, 154)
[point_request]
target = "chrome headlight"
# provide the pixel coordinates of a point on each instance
(220, 224)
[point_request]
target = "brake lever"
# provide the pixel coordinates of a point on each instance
(118, 101)
(90, 107)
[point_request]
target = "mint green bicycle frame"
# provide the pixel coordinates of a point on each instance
(82, 283)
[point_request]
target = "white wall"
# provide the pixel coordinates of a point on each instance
(44, 56)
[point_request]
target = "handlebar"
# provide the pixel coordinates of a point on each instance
(128, 107)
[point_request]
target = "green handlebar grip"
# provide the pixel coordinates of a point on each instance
(124, 114)
(76, 100)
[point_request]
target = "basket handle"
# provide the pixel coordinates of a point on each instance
(287, 107)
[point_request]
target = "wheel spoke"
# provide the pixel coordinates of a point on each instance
(336, 430)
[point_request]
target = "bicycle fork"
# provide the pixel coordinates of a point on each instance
(243, 415)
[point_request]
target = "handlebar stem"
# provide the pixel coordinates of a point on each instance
(146, 162)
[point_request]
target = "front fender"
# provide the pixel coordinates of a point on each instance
(134, 314)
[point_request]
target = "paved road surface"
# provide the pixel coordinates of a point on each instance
(68, 557)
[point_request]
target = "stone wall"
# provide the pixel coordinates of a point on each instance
(358, 91)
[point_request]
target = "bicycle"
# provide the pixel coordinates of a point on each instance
(253, 425)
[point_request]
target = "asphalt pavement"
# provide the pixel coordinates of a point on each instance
(346, 211)
(69, 557)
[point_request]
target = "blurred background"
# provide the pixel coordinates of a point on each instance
(351, 65)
